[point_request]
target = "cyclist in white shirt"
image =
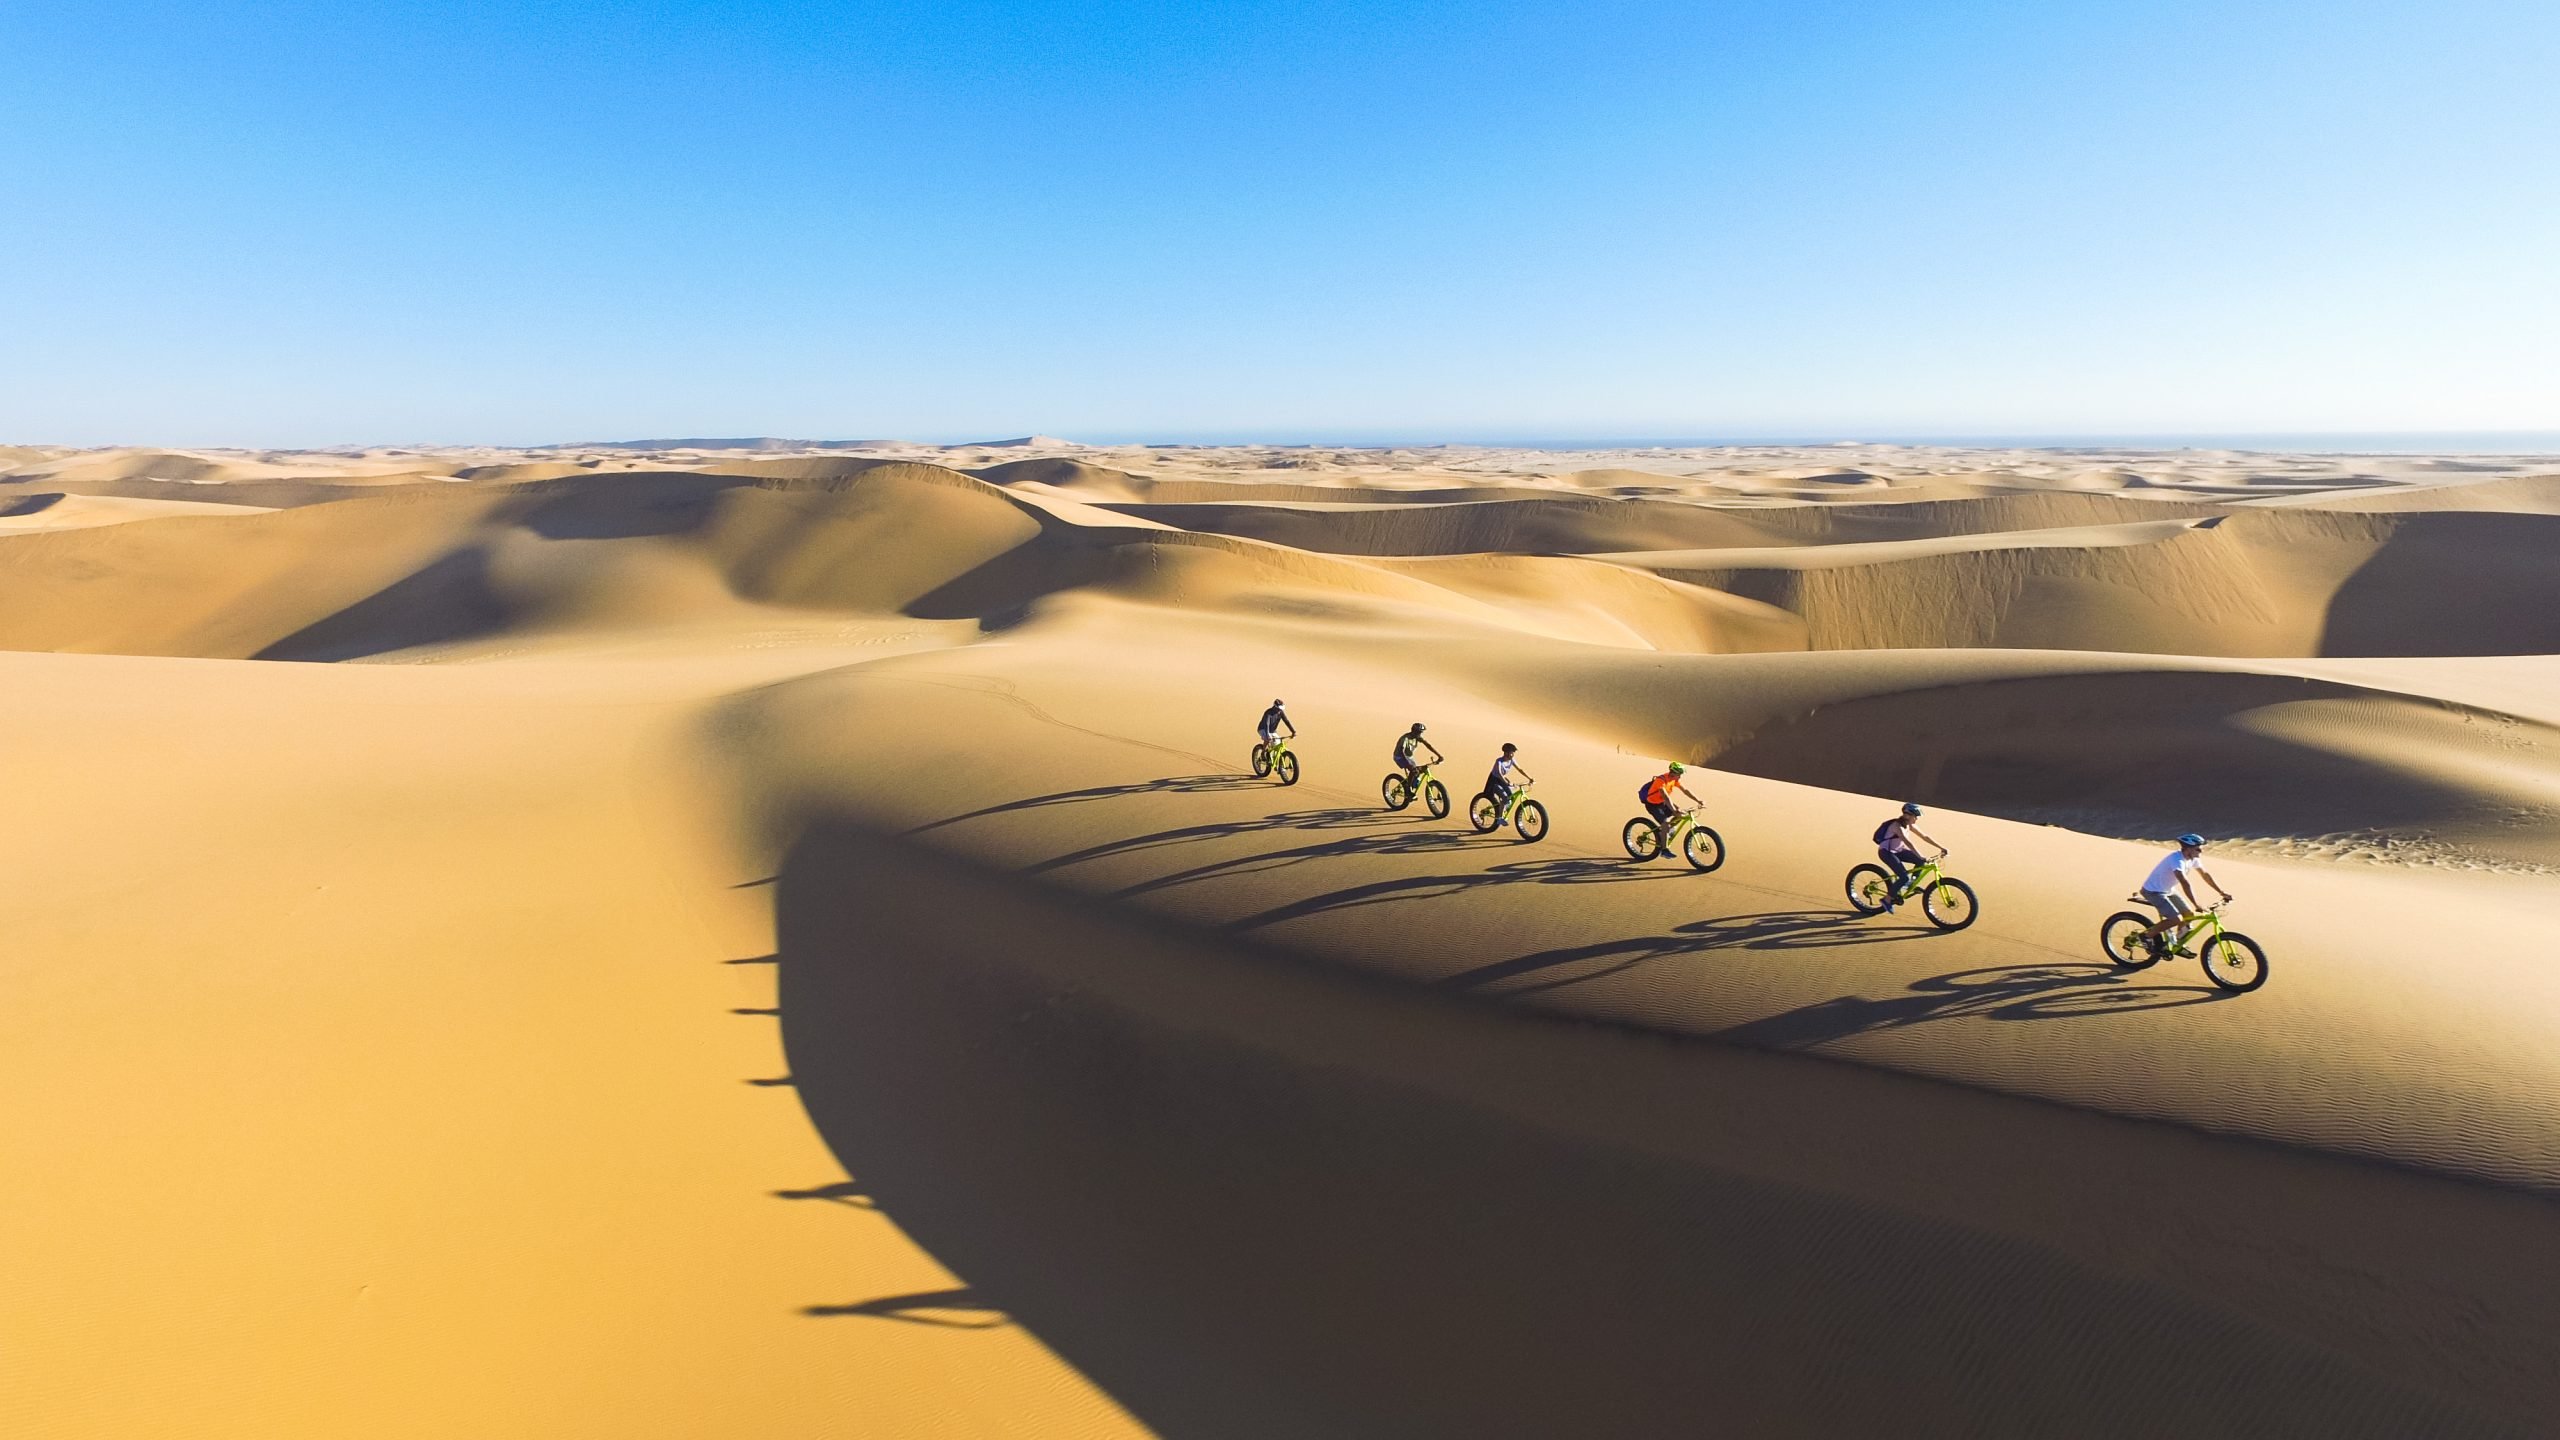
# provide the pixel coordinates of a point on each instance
(2174, 869)
(1500, 783)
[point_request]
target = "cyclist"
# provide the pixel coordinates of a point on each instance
(1894, 847)
(1268, 728)
(2174, 868)
(1498, 786)
(1656, 794)
(1409, 746)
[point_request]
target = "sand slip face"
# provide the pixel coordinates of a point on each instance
(780, 941)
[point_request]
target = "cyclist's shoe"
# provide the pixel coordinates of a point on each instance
(2183, 953)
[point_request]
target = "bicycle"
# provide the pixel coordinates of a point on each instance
(2232, 961)
(1528, 818)
(1399, 790)
(1681, 834)
(1275, 755)
(1948, 902)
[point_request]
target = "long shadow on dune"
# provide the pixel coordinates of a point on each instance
(1253, 1198)
(2009, 992)
(1172, 785)
(1560, 870)
(1773, 930)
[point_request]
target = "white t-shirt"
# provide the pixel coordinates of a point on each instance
(1503, 767)
(2164, 875)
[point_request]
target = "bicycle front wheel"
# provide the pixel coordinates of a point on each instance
(1642, 840)
(1435, 798)
(1393, 792)
(1870, 889)
(2234, 962)
(1703, 847)
(1481, 813)
(1287, 765)
(2122, 938)
(1531, 821)
(1949, 904)
(1261, 761)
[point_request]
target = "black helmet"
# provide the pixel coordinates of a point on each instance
(1417, 727)
(1275, 704)
(1508, 747)
(1910, 809)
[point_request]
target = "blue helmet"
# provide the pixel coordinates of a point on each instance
(1910, 809)
(2192, 838)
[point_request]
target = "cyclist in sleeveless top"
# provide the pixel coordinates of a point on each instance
(1409, 748)
(1894, 847)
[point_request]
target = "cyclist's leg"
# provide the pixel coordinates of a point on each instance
(1899, 863)
(1662, 812)
(1501, 794)
(2173, 910)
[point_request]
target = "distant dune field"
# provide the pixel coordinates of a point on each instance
(709, 937)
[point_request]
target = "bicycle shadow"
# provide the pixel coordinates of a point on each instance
(1563, 870)
(2069, 990)
(1170, 785)
(1767, 930)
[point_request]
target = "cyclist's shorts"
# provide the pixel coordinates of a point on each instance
(1659, 809)
(1907, 857)
(2170, 906)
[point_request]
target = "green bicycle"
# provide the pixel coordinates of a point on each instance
(1681, 835)
(1399, 790)
(1528, 818)
(1948, 902)
(1275, 757)
(2232, 961)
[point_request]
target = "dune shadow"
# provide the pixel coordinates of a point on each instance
(1248, 1198)
(1171, 785)
(1771, 930)
(1560, 870)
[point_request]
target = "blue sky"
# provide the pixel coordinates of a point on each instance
(316, 224)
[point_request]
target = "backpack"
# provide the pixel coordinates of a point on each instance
(1884, 833)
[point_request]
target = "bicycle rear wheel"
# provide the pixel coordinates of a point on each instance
(2234, 962)
(1481, 814)
(2121, 937)
(1393, 791)
(1642, 840)
(1870, 889)
(1287, 765)
(1949, 904)
(1530, 823)
(1703, 847)
(1435, 798)
(1261, 761)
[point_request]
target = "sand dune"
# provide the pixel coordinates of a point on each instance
(777, 938)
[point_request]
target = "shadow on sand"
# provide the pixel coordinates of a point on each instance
(1252, 1198)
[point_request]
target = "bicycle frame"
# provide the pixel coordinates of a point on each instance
(2175, 937)
(1916, 878)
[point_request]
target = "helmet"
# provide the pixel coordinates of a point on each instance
(1508, 747)
(1417, 727)
(2192, 838)
(1275, 704)
(1910, 809)
(1677, 767)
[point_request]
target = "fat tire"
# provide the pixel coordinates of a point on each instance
(1393, 791)
(1703, 848)
(1288, 765)
(1642, 839)
(2248, 974)
(1435, 798)
(1261, 761)
(1529, 822)
(1481, 814)
(1864, 898)
(2142, 956)
(1930, 904)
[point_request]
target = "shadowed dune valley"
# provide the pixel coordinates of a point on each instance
(707, 937)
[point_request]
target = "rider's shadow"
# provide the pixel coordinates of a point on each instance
(1582, 964)
(2011, 992)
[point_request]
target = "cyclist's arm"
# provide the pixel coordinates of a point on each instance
(1292, 724)
(2209, 880)
(1436, 757)
(2190, 887)
(1942, 850)
(1693, 796)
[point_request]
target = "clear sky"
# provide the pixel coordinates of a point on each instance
(302, 223)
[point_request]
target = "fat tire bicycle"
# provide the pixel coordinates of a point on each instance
(1700, 845)
(1528, 818)
(1273, 756)
(1400, 790)
(2232, 961)
(1948, 902)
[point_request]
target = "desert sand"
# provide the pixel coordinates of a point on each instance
(706, 937)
